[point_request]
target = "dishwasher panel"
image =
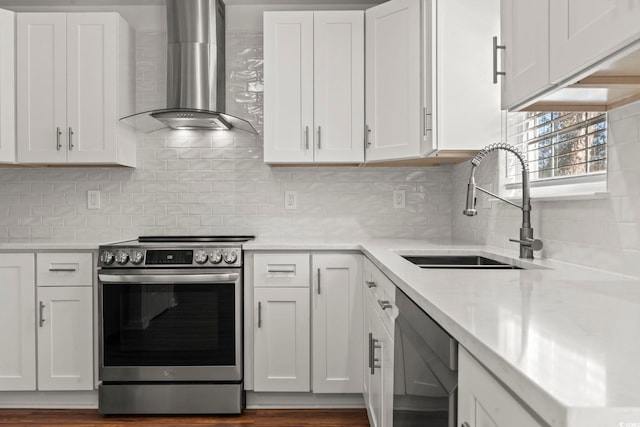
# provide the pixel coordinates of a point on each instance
(425, 369)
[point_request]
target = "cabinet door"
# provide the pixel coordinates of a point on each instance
(65, 338)
(42, 87)
(393, 96)
(467, 111)
(525, 35)
(281, 339)
(92, 87)
(337, 323)
(339, 86)
(17, 294)
(586, 31)
(7, 87)
(288, 87)
(483, 402)
(380, 403)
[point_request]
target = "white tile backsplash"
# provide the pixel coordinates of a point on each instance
(217, 183)
(599, 233)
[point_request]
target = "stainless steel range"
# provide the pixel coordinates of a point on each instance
(171, 325)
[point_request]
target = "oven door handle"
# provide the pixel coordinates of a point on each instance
(175, 279)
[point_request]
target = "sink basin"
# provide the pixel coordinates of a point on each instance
(459, 261)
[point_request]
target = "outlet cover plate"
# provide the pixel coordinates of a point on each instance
(93, 199)
(399, 199)
(291, 200)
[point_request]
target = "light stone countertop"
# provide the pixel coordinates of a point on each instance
(565, 339)
(35, 247)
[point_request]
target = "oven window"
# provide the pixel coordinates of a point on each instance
(169, 325)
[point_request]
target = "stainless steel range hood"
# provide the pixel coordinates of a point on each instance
(195, 72)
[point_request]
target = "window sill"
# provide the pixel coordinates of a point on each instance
(571, 191)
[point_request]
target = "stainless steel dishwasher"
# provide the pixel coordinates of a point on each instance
(425, 369)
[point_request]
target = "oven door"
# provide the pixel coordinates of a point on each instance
(170, 325)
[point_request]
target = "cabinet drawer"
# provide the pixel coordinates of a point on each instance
(64, 269)
(381, 292)
(378, 283)
(281, 269)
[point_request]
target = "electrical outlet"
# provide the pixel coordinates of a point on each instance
(291, 200)
(398, 199)
(93, 199)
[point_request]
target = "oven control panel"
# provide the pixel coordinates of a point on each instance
(118, 257)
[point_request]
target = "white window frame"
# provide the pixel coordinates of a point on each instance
(581, 187)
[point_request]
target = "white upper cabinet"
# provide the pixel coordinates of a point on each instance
(575, 55)
(394, 101)
(314, 87)
(75, 80)
(525, 37)
(429, 67)
(7, 87)
(586, 31)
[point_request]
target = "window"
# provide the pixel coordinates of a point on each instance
(567, 152)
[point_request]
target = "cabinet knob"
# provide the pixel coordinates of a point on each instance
(370, 283)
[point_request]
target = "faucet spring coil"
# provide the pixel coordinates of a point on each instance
(500, 146)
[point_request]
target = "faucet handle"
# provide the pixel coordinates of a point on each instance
(534, 244)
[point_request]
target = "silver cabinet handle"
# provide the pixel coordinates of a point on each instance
(497, 73)
(428, 126)
(274, 269)
(319, 134)
(41, 314)
(370, 352)
(318, 281)
(367, 133)
(58, 133)
(370, 284)
(259, 314)
(71, 139)
(62, 269)
(173, 279)
(306, 137)
(384, 304)
(374, 359)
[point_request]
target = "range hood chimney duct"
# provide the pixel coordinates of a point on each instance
(195, 71)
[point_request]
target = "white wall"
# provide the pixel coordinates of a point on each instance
(600, 233)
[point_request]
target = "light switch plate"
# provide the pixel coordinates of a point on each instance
(93, 199)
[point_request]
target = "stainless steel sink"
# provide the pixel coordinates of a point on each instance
(459, 262)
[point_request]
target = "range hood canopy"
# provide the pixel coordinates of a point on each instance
(195, 72)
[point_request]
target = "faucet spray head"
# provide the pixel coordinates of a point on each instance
(470, 208)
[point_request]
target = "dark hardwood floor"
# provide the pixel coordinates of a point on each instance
(250, 417)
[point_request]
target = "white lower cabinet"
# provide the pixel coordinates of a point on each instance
(379, 341)
(379, 369)
(337, 323)
(297, 296)
(281, 346)
(65, 338)
(58, 318)
(483, 401)
(18, 332)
